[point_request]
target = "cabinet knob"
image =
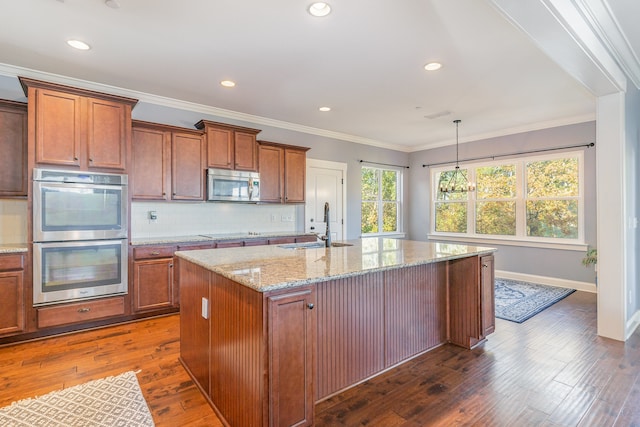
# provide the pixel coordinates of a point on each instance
(484, 266)
(91, 160)
(84, 310)
(310, 306)
(75, 158)
(170, 265)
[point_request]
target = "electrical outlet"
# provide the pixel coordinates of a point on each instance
(287, 218)
(153, 216)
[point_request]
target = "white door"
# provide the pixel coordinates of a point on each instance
(325, 183)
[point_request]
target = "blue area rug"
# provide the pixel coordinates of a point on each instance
(518, 301)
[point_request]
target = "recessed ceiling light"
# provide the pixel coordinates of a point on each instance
(228, 83)
(433, 66)
(78, 44)
(324, 109)
(319, 9)
(112, 4)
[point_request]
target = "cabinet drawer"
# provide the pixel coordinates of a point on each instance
(255, 242)
(153, 252)
(194, 247)
(282, 240)
(80, 312)
(11, 262)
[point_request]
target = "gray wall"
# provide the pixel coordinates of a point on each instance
(563, 264)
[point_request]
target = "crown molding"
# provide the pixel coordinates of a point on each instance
(15, 71)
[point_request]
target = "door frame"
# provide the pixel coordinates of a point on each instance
(327, 164)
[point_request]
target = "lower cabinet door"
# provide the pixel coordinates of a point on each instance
(487, 289)
(12, 312)
(291, 338)
(152, 284)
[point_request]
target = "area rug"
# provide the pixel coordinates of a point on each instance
(518, 301)
(112, 401)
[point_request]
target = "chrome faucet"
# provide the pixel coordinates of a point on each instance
(327, 234)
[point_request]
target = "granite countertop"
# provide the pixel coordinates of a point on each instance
(13, 248)
(141, 241)
(267, 268)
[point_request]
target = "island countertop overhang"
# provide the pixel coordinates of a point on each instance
(269, 268)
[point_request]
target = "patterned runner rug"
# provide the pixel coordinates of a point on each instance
(518, 301)
(112, 401)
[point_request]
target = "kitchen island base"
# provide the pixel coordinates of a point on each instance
(266, 357)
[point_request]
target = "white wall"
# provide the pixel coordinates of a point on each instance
(183, 219)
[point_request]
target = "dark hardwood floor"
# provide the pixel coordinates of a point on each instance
(552, 370)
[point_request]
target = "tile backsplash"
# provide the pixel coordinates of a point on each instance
(13, 221)
(179, 219)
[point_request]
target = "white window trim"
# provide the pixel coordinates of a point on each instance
(400, 191)
(520, 239)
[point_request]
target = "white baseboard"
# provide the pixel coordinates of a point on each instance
(551, 281)
(632, 324)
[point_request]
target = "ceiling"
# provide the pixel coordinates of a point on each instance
(365, 60)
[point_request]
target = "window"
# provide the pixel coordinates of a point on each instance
(534, 199)
(381, 204)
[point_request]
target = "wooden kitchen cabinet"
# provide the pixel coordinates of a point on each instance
(472, 307)
(12, 315)
(291, 352)
(13, 146)
(229, 146)
(78, 128)
(282, 172)
(168, 163)
(153, 284)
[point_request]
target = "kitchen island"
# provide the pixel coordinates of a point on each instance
(266, 332)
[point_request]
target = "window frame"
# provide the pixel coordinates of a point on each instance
(520, 238)
(399, 202)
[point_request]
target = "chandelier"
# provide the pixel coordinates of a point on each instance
(457, 181)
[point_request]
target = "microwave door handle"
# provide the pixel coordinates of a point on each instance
(250, 189)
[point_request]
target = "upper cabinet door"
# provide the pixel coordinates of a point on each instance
(13, 146)
(106, 134)
(271, 173)
(58, 128)
(220, 148)
(246, 151)
(295, 168)
(151, 164)
(187, 171)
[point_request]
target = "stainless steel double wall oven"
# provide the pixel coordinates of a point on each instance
(80, 235)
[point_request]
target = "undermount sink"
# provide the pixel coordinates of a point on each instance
(312, 245)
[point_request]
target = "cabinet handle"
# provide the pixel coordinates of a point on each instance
(155, 253)
(310, 306)
(84, 310)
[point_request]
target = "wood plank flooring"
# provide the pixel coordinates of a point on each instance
(552, 370)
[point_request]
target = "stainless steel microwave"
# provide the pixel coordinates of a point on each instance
(233, 186)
